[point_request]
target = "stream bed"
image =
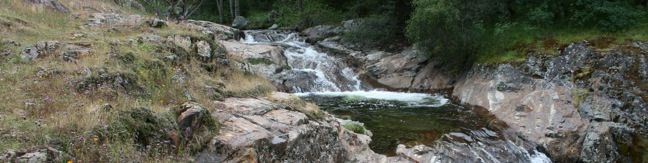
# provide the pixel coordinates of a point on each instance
(399, 118)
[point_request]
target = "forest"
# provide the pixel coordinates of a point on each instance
(457, 33)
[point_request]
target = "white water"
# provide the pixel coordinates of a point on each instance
(413, 99)
(331, 74)
(334, 78)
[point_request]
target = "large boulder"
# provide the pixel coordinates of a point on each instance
(264, 60)
(217, 31)
(398, 70)
(240, 22)
(320, 32)
(258, 130)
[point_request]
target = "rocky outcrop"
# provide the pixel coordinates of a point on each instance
(320, 32)
(40, 49)
(217, 31)
(114, 20)
(570, 103)
(396, 70)
(259, 130)
(265, 60)
(475, 146)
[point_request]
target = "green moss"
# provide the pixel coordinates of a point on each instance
(257, 91)
(582, 73)
(140, 124)
(578, 95)
(355, 127)
(258, 61)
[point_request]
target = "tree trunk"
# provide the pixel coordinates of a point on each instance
(237, 8)
(220, 10)
(231, 6)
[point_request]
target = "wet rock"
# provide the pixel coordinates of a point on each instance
(52, 4)
(470, 147)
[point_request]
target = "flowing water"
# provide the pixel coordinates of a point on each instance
(323, 72)
(392, 118)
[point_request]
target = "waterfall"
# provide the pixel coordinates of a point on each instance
(311, 70)
(316, 75)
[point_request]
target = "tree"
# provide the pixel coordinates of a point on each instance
(450, 30)
(178, 9)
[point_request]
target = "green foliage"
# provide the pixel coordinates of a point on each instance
(355, 127)
(606, 15)
(306, 14)
(140, 125)
(458, 33)
(450, 30)
(375, 32)
(257, 61)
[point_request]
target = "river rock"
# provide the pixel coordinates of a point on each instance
(473, 147)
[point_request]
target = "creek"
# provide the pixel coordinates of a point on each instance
(391, 118)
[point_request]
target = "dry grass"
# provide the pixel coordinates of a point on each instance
(40, 104)
(293, 102)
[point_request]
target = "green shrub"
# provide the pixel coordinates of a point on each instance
(309, 13)
(375, 31)
(355, 127)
